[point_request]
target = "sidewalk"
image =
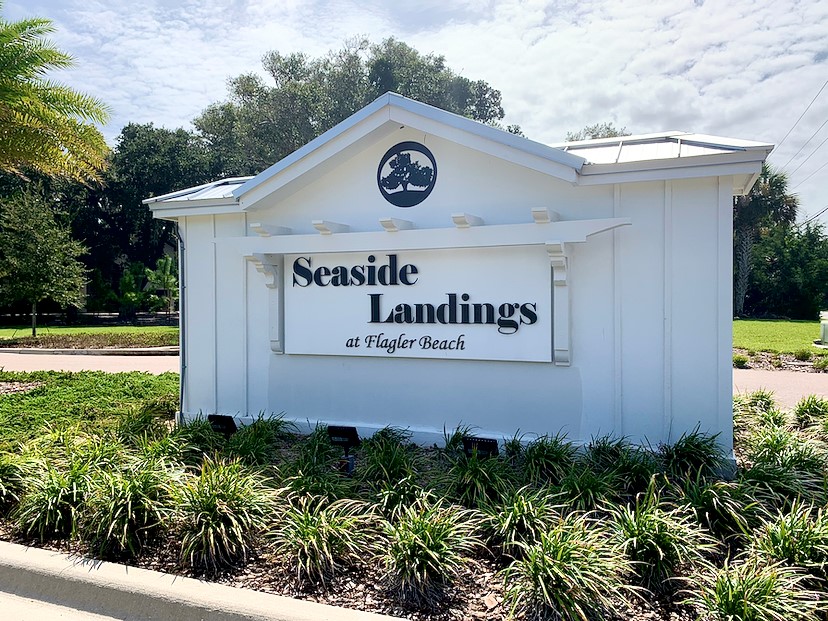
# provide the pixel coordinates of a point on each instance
(787, 386)
(74, 362)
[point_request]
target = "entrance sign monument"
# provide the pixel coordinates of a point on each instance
(582, 288)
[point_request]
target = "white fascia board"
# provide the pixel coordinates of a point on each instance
(313, 165)
(748, 168)
(694, 161)
(444, 119)
(302, 152)
(603, 142)
(178, 209)
(193, 190)
(570, 231)
(543, 159)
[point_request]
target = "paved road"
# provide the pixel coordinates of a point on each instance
(112, 364)
(789, 386)
(16, 608)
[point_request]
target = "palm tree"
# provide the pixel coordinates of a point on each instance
(45, 126)
(767, 204)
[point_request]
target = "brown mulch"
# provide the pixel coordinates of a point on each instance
(777, 362)
(8, 388)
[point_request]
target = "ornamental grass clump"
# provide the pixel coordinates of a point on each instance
(659, 540)
(812, 410)
(386, 458)
(220, 512)
(584, 489)
(575, 570)
(314, 472)
(546, 459)
(725, 508)
(472, 480)
(197, 439)
(798, 538)
(12, 477)
(750, 589)
(52, 497)
(319, 539)
(520, 516)
(693, 452)
(125, 508)
(425, 548)
(257, 444)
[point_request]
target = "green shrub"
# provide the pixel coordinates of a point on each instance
(220, 513)
(319, 539)
(803, 355)
(521, 516)
(811, 410)
(547, 459)
(798, 538)
(659, 540)
(693, 452)
(142, 422)
(386, 457)
(762, 399)
(390, 497)
(258, 442)
(314, 471)
(425, 549)
(197, 439)
(574, 571)
(126, 508)
(49, 506)
(740, 361)
(603, 453)
(724, 508)
(473, 480)
(12, 477)
(584, 489)
(634, 469)
(821, 363)
(752, 590)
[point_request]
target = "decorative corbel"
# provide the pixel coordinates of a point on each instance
(545, 216)
(465, 220)
(392, 225)
(265, 267)
(268, 230)
(561, 329)
(328, 228)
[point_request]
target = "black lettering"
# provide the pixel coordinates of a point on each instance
(318, 275)
(340, 276)
(406, 271)
(301, 268)
(506, 325)
(529, 312)
(358, 275)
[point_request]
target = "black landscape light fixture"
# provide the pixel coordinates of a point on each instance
(483, 447)
(347, 438)
(223, 424)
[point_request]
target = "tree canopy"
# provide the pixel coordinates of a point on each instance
(44, 126)
(769, 203)
(262, 122)
(38, 257)
(598, 130)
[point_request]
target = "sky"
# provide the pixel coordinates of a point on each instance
(737, 68)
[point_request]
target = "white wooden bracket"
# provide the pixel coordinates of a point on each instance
(272, 266)
(328, 228)
(465, 220)
(266, 230)
(561, 325)
(545, 216)
(392, 225)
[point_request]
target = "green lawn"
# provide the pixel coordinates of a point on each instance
(784, 337)
(22, 331)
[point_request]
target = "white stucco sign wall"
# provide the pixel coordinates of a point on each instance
(413, 268)
(464, 304)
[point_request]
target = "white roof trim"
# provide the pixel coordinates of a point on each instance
(392, 108)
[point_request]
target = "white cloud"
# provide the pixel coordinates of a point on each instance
(745, 68)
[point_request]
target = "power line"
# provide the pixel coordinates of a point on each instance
(793, 157)
(811, 175)
(814, 217)
(781, 142)
(810, 156)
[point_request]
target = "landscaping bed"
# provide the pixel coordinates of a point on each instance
(91, 338)
(544, 529)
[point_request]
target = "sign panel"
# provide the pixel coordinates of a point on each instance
(467, 304)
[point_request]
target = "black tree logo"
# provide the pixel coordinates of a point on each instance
(406, 181)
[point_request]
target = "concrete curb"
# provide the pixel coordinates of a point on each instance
(126, 351)
(134, 594)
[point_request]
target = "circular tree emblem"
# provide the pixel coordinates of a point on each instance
(407, 174)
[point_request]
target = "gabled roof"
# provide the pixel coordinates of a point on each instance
(648, 157)
(386, 115)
